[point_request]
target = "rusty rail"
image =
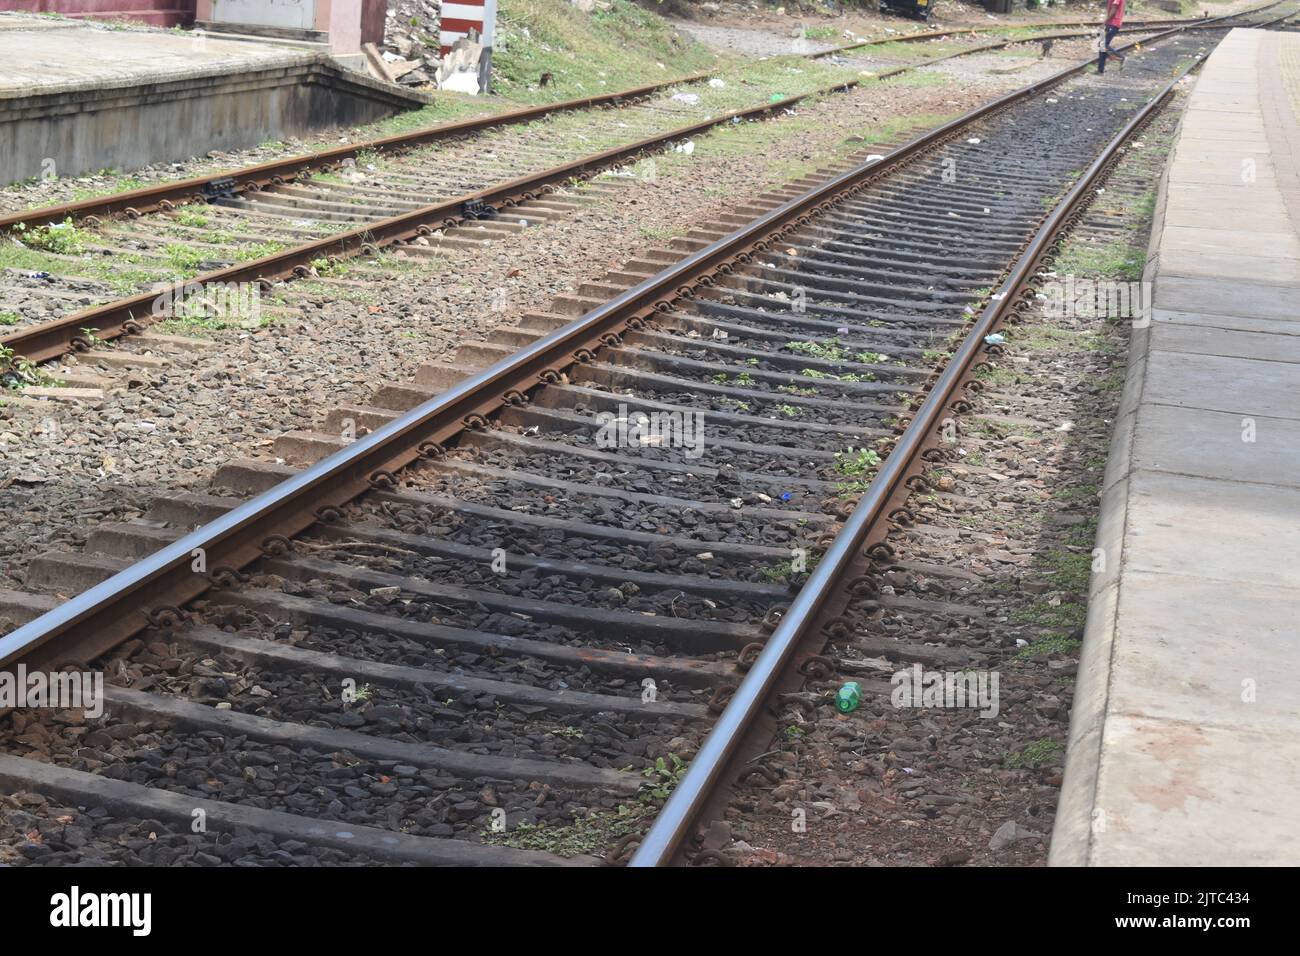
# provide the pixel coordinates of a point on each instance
(150, 591)
(49, 340)
(114, 610)
(969, 31)
(137, 202)
(866, 527)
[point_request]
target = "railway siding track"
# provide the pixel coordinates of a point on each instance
(303, 229)
(526, 691)
(137, 202)
(299, 216)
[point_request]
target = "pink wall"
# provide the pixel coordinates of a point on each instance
(167, 13)
(349, 23)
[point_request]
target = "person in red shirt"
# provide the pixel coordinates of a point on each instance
(1114, 20)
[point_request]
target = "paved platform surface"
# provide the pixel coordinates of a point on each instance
(46, 55)
(1185, 734)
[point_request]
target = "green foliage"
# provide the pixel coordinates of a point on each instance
(590, 832)
(830, 351)
(61, 238)
(1038, 754)
(17, 372)
(183, 259)
(1055, 644)
(1108, 260)
(260, 250)
(856, 461)
(662, 778)
(855, 464)
(192, 218)
(586, 54)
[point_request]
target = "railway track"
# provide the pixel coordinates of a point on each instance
(299, 217)
(985, 572)
(490, 629)
(424, 190)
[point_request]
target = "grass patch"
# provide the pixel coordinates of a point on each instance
(914, 52)
(592, 832)
(913, 78)
(9, 318)
(1070, 571)
(1146, 206)
(1038, 754)
(1112, 382)
(330, 270)
(17, 372)
(1055, 644)
(60, 238)
(1001, 376)
(118, 184)
(182, 259)
(1083, 535)
(1111, 260)
(586, 54)
(192, 218)
(895, 126)
(204, 327)
(1044, 336)
(856, 466)
(1018, 51)
(1064, 616)
(785, 569)
(259, 251)
(1078, 492)
(833, 351)
(998, 429)
(750, 139)
(659, 233)
(199, 319)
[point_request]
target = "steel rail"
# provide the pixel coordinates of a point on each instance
(1199, 24)
(49, 340)
(276, 172)
(969, 31)
(279, 171)
(112, 611)
(137, 202)
(983, 48)
(864, 526)
(110, 320)
(972, 31)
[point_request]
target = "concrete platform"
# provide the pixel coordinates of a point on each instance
(1185, 734)
(89, 98)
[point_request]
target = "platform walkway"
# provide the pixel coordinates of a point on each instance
(1185, 733)
(76, 98)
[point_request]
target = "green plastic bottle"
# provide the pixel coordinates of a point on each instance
(848, 697)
